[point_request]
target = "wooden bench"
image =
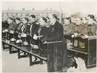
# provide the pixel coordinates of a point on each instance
(26, 52)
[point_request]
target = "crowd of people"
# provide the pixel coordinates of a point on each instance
(22, 27)
(85, 25)
(37, 32)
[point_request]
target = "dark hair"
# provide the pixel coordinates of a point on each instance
(92, 17)
(55, 16)
(68, 18)
(18, 18)
(47, 17)
(44, 19)
(11, 18)
(33, 16)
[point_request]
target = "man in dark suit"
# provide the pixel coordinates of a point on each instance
(42, 33)
(33, 29)
(5, 26)
(17, 22)
(56, 45)
(25, 31)
(11, 27)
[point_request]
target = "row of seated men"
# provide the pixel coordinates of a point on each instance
(26, 31)
(31, 32)
(70, 26)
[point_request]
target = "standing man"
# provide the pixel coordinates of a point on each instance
(56, 45)
(42, 33)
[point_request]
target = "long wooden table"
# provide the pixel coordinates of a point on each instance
(26, 52)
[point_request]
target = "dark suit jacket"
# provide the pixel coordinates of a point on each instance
(34, 29)
(55, 32)
(27, 29)
(12, 26)
(5, 25)
(16, 27)
(19, 27)
(44, 32)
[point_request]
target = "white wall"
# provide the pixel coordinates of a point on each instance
(70, 6)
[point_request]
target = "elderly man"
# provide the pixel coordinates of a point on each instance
(55, 45)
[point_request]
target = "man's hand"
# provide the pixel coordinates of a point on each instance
(45, 42)
(40, 36)
(23, 35)
(35, 37)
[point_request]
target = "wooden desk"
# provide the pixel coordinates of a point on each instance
(88, 52)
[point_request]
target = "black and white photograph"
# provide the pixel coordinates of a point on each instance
(48, 36)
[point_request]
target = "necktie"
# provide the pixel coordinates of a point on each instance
(22, 28)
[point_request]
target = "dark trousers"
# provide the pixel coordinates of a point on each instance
(28, 39)
(56, 57)
(5, 35)
(10, 36)
(35, 42)
(16, 35)
(43, 49)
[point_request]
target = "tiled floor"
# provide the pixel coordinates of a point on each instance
(11, 64)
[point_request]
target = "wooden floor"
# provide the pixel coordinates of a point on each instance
(11, 64)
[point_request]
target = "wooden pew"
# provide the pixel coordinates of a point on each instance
(26, 52)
